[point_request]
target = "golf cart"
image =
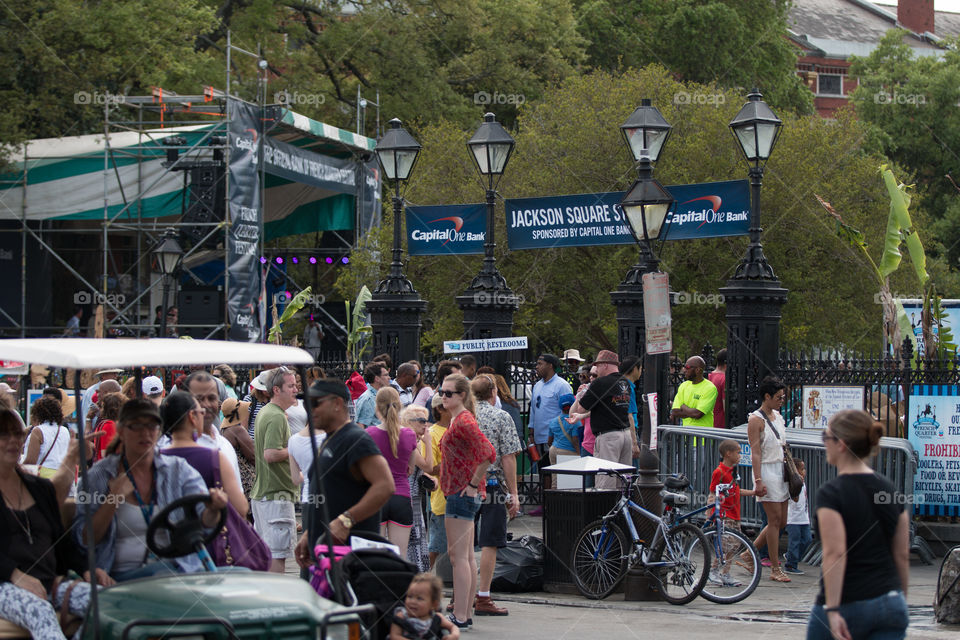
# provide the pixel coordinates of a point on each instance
(201, 605)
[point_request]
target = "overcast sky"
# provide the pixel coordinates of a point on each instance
(939, 5)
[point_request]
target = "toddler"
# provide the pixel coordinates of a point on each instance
(420, 616)
(798, 525)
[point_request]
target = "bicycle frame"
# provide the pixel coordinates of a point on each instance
(626, 504)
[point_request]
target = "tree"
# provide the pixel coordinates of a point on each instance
(910, 103)
(731, 43)
(569, 142)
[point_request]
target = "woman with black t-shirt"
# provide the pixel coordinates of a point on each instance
(865, 535)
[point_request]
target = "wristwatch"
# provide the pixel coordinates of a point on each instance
(345, 519)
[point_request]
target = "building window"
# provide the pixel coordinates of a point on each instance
(829, 84)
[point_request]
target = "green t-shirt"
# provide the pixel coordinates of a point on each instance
(273, 479)
(702, 397)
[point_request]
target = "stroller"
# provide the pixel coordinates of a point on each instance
(377, 577)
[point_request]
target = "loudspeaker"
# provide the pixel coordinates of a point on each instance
(205, 202)
(200, 305)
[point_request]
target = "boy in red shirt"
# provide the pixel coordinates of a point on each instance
(726, 473)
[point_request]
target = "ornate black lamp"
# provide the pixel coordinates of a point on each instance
(168, 254)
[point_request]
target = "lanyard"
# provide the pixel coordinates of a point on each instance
(145, 509)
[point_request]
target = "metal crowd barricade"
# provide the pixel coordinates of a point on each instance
(694, 451)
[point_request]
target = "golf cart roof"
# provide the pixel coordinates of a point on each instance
(94, 353)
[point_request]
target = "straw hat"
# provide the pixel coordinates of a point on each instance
(68, 403)
(235, 413)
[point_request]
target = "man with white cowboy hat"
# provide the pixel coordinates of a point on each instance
(87, 398)
(572, 358)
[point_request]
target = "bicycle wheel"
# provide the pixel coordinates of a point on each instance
(688, 561)
(599, 560)
(732, 578)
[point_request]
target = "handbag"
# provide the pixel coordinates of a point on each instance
(790, 474)
(238, 544)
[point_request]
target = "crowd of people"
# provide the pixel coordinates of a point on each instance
(433, 469)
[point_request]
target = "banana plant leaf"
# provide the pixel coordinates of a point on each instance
(298, 302)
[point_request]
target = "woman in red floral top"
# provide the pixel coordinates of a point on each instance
(465, 455)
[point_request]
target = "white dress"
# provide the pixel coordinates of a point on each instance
(771, 458)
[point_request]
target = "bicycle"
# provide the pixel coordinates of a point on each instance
(678, 556)
(735, 572)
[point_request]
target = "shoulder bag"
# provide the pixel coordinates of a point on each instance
(238, 544)
(790, 474)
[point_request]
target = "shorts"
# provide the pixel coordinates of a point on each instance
(398, 510)
(772, 474)
(491, 519)
(730, 523)
(462, 507)
(438, 535)
(276, 522)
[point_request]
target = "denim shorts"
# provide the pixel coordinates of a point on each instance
(885, 617)
(462, 507)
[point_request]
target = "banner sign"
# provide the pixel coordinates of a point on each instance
(706, 210)
(446, 229)
(246, 217)
(485, 344)
(308, 167)
(656, 313)
(934, 432)
(821, 403)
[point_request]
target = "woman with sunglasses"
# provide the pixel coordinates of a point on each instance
(415, 417)
(398, 445)
(182, 423)
(865, 534)
(767, 434)
(31, 586)
(125, 489)
(465, 455)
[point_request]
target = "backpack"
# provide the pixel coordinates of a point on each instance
(946, 604)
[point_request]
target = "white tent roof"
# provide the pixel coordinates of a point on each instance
(587, 465)
(91, 353)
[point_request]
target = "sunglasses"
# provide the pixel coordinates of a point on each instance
(828, 436)
(418, 420)
(593, 375)
(448, 394)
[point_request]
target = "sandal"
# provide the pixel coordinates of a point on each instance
(746, 561)
(777, 575)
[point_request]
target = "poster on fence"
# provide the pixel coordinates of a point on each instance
(821, 403)
(934, 432)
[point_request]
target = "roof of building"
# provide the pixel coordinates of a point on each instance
(841, 28)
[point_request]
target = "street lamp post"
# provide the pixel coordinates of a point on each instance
(488, 304)
(168, 254)
(645, 133)
(753, 296)
(395, 307)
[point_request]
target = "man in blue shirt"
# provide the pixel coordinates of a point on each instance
(377, 376)
(545, 401)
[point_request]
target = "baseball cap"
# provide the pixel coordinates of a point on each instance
(550, 359)
(152, 386)
(139, 408)
(322, 388)
(567, 400)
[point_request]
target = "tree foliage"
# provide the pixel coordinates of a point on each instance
(569, 142)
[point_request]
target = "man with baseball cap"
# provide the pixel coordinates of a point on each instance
(608, 401)
(87, 398)
(152, 388)
(350, 475)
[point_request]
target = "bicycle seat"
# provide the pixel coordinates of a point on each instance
(676, 483)
(674, 499)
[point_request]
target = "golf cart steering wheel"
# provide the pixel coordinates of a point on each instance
(185, 534)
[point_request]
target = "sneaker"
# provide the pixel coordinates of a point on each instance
(715, 578)
(460, 625)
(485, 606)
(793, 571)
(729, 581)
(765, 562)
(450, 606)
